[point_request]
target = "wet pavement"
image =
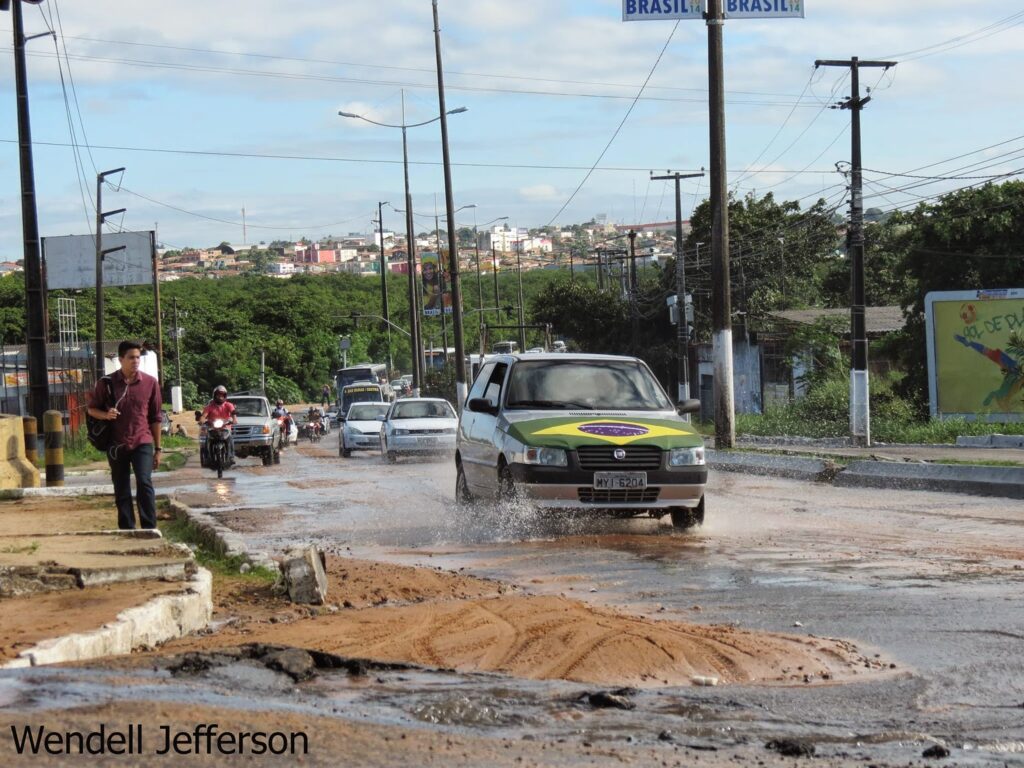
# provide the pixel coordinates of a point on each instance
(929, 580)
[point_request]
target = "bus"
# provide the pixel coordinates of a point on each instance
(376, 373)
(436, 358)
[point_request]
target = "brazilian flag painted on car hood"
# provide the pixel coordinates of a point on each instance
(572, 432)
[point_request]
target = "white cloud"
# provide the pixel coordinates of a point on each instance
(539, 192)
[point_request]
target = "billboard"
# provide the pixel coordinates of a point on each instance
(976, 354)
(71, 260)
(648, 10)
(433, 280)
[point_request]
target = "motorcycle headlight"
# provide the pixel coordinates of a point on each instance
(686, 457)
(546, 457)
(218, 423)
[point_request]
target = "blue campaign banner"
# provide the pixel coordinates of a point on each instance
(647, 10)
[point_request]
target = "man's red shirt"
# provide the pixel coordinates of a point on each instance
(139, 404)
(215, 410)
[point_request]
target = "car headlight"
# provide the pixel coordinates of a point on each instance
(686, 457)
(450, 431)
(546, 457)
(401, 432)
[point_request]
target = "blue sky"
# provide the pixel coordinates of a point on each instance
(546, 83)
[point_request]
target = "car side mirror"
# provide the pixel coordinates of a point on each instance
(482, 405)
(688, 406)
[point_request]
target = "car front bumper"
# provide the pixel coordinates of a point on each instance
(361, 442)
(421, 443)
(567, 488)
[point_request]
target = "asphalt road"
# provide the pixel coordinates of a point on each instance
(929, 580)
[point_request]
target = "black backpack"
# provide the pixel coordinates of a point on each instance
(100, 432)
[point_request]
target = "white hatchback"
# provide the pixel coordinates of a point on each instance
(419, 425)
(360, 430)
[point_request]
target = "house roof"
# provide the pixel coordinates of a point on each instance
(877, 320)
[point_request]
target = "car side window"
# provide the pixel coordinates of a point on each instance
(493, 391)
(483, 378)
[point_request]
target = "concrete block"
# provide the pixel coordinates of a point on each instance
(304, 577)
(16, 471)
(946, 478)
(161, 619)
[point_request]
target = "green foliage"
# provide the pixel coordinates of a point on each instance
(440, 383)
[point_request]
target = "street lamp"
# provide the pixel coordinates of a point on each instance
(417, 338)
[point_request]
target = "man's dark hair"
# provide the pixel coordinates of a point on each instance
(124, 346)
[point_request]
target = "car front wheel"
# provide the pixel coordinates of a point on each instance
(463, 496)
(684, 517)
(506, 486)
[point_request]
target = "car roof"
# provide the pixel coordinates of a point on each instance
(561, 357)
(422, 400)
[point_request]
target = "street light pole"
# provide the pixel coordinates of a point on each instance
(522, 319)
(417, 337)
(461, 385)
(384, 283)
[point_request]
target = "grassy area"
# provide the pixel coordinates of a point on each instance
(28, 549)
(219, 565)
(78, 452)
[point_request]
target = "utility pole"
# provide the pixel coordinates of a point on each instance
(440, 285)
(101, 216)
(721, 300)
(860, 414)
(522, 316)
(494, 272)
(461, 384)
(263, 372)
(634, 309)
(177, 339)
(479, 278)
(384, 283)
(35, 298)
(682, 326)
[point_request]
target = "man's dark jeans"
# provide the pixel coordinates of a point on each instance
(122, 463)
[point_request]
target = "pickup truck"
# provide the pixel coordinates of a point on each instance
(256, 434)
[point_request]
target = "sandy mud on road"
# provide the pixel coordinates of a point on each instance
(436, 619)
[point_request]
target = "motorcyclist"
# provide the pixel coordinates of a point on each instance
(315, 419)
(281, 412)
(221, 408)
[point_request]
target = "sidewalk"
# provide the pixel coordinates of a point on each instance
(71, 588)
(965, 469)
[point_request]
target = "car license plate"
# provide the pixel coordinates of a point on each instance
(619, 481)
(427, 440)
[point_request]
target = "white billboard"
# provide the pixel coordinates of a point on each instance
(647, 10)
(71, 260)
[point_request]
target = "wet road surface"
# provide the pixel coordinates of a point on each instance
(931, 581)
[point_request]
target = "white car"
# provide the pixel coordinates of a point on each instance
(361, 428)
(419, 425)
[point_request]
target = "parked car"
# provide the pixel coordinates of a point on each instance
(361, 431)
(573, 431)
(418, 425)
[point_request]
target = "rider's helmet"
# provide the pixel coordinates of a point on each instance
(220, 389)
(280, 403)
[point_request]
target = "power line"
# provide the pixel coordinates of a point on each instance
(619, 128)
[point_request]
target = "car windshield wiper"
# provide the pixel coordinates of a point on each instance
(548, 404)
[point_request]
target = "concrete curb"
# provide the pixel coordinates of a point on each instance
(991, 441)
(220, 538)
(161, 619)
(949, 478)
(11, 494)
(792, 467)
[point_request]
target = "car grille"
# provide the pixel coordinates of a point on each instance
(426, 432)
(601, 457)
(247, 431)
(635, 495)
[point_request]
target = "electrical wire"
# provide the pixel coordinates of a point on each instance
(619, 128)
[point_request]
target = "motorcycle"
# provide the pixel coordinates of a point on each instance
(314, 431)
(218, 433)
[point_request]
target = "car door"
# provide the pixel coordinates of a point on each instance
(481, 467)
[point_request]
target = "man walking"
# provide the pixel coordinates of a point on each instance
(325, 395)
(132, 402)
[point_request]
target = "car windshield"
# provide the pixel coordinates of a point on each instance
(367, 412)
(423, 409)
(585, 384)
(251, 407)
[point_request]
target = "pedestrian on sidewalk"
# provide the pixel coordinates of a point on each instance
(133, 405)
(325, 395)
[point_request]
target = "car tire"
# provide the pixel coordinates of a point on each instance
(506, 486)
(392, 457)
(275, 455)
(463, 496)
(268, 458)
(684, 517)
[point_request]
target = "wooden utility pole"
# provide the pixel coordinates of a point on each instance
(860, 412)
